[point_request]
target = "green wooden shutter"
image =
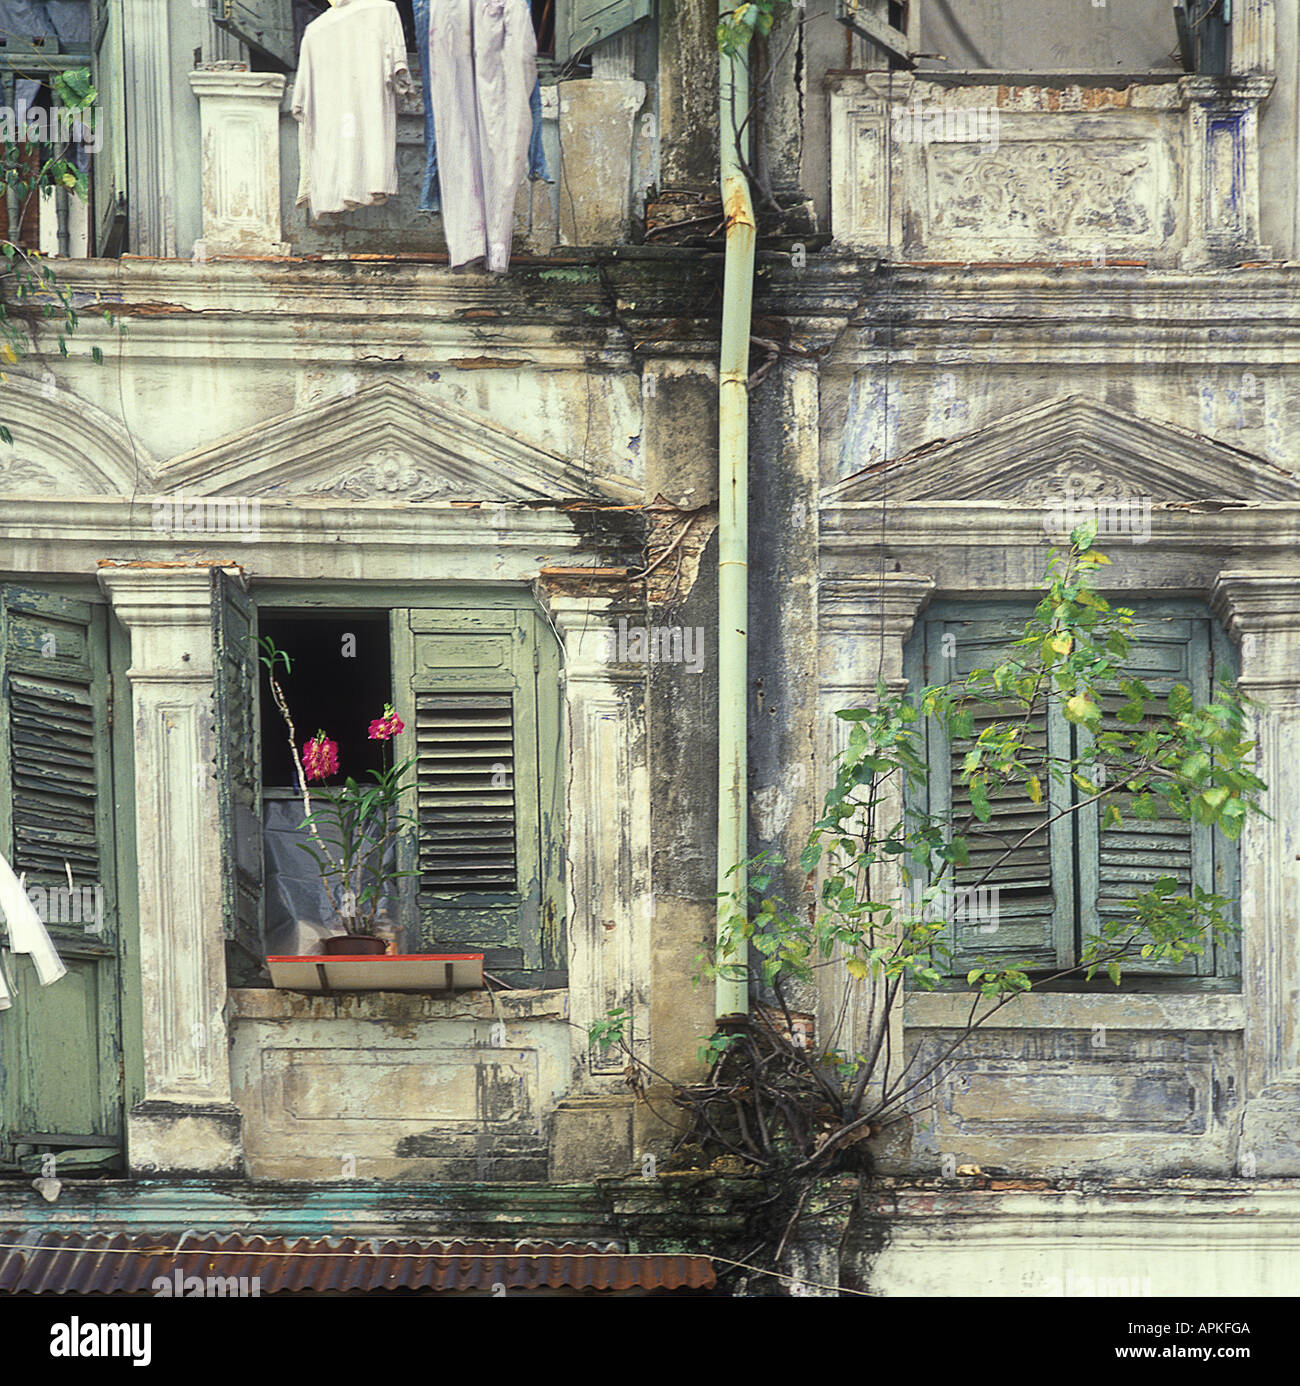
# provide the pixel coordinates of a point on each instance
(238, 782)
(582, 23)
(266, 25)
(60, 1055)
(1030, 919)
(108, 165)
(480, 689)
(1175, 647)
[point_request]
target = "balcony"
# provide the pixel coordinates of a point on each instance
(599, 151)
(1155, 169)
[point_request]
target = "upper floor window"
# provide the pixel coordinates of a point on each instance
(1050, 890)
(476, 685)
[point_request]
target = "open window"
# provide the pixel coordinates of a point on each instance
(39, 41)
(477, 688)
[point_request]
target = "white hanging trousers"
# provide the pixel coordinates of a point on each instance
(482, 66)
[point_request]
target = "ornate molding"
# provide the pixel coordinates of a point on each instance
(386, 441)
(1009, 169)
(65, 446)
(1034, 454)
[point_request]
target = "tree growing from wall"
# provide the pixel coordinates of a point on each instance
(778, 1107)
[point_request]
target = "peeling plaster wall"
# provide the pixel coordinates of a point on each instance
(380, 1086)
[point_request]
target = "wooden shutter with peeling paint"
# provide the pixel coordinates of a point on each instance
(60, 1045)
(265, 25)
(1173, 644)
(581, 24)
(1024, 912)
(480, 688)
(238, 783)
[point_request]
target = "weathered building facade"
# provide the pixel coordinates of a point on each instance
(1028, 276)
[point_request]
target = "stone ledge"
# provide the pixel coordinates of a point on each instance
(1207, 1011)
(272, 1004)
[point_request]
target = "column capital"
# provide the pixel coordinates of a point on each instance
(1261, 611)
(168, 611)
(890, 602)
(590, 630)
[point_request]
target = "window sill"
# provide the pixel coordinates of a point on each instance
(1072, 1011)
(264, 1003)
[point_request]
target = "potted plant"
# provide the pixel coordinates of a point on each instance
(354, 833)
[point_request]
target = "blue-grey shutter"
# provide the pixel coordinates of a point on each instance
(1171, 646)
(480, 688)
(60, 1045)
(1024, 913)
(266, 25)
(238, 783)
(582, 23)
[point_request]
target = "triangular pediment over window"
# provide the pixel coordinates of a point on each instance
(1071, 446)
(386, 442)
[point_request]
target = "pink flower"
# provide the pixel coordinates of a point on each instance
(320, 757)
(386, 726)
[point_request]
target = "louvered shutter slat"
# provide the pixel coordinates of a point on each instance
(466, 793)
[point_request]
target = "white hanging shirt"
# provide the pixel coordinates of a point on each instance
(26, 933)
(351, 68)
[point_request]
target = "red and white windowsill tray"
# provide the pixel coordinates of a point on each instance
(325, 972)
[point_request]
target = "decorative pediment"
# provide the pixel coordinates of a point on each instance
(386, 442)
(64, 446)
(1072, 447)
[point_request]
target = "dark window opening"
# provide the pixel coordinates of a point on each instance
(341, 677)
(544, 24)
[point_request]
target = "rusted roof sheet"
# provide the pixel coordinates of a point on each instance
(117, 1263)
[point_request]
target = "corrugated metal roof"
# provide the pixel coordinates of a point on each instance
(117, 1263)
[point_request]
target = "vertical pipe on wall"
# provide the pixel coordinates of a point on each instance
(732, 996)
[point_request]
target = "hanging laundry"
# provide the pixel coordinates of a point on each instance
(482, 70)
(26, 933)
(430, 195)
(351, 70)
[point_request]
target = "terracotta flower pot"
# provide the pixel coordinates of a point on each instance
(355, 944)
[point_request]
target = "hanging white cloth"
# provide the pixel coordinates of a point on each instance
(26, 933)
(351, 69)
(482, 68)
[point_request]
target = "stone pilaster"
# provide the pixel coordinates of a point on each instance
(1262, 612)
(186, 1122)
(606, 828)
(1223, 169)
(865, 622)
(1254, 37)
